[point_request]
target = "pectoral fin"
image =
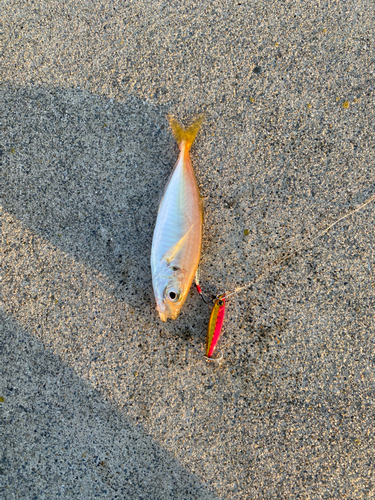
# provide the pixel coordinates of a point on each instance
(172, 252)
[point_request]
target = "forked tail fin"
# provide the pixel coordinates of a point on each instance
(187, 135)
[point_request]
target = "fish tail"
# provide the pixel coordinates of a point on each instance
(185, 136)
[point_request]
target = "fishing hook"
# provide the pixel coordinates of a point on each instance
(215, 359)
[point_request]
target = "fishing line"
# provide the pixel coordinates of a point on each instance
(267, 269)
(216, 320)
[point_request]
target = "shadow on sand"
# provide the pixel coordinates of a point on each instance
(80, 194)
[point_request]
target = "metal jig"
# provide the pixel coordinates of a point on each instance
(215, 324)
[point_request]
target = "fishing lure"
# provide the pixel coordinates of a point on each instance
(214, 326)
(216, 320)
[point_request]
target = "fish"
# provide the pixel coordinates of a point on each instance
(177, 238)
(215, 325)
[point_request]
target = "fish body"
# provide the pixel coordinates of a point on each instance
(215, 325)
(177, 239)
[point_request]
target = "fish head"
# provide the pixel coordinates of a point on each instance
(171, 289)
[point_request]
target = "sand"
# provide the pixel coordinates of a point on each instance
(99, 398)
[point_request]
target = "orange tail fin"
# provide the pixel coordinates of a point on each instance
(187, 135)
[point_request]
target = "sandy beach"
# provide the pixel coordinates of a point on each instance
(99, 398)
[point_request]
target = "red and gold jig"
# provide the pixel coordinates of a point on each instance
(215, 325)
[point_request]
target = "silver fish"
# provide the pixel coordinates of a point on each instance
(177, 240)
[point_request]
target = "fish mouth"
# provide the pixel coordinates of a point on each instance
(163, 312)
(166, 313)
(163, 317)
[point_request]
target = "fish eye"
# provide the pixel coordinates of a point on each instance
(173, 295)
